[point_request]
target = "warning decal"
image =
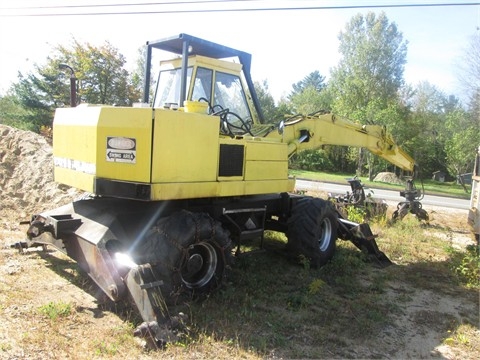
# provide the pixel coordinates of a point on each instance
(121, 149)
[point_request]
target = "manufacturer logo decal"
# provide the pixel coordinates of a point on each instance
(121, 143)
(121, 149)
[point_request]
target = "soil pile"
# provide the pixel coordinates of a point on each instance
(388, 177)
(26, 176)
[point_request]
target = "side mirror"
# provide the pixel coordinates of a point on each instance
(281, 127)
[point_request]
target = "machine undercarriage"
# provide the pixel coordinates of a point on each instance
(163, 254)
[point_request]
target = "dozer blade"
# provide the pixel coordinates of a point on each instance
(362, 237)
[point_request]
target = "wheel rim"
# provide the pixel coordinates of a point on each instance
(325, 235)
(200, 265)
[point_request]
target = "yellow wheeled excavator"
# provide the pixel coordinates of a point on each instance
(179, 182)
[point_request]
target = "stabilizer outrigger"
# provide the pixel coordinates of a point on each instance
(362, 237)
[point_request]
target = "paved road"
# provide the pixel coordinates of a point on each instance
(387, 195)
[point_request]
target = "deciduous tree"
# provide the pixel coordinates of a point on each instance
(369, 76)
(102, 79)
(310, 100)
(271, 112)
(372, 65)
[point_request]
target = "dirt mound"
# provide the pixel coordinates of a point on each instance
(26, 176)
(388, 177)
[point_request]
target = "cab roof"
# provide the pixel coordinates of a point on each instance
(197, 46)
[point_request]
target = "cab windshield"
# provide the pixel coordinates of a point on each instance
(221, 90)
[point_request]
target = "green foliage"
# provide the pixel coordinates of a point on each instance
(312, 160)
(371, 69)
(284, 108)
(369, 76)
(387, 114)
(356, 214)
(462, 143)
(101, 79)
(316, 286)
(13, 114)
(38, 96)
(310, 95)
(305, 262)
(334, 159)
(313, 80)
(101, 73)
(103, 348)
(272, 114)
(443, 134)
(343, 269)
(310, 100)
(138, 74)
(55, 310)
(343, 157)
(466, 266)
(426, 133)
(267, 103)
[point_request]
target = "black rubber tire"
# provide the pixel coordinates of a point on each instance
(190, 253)
(312, 231)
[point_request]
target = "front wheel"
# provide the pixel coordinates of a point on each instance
(190, 253)
(312, 231)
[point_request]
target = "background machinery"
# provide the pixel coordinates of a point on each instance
(358, 199)
(178, 182)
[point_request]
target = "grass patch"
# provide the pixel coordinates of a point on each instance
(5, 346)
(271, 304)
(466, 265)
(273, 307)
(55, 310)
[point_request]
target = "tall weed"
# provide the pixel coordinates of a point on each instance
(466, 265)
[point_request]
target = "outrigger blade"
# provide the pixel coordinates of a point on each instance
(362, 237)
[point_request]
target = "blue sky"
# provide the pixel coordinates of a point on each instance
(285, 45)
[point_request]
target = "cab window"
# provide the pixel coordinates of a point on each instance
(202, 87)
(229, 94)
(168, 87)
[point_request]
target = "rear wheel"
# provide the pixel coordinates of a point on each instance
(190, 253)
(312, 231)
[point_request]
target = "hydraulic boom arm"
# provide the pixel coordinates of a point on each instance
(313, 131)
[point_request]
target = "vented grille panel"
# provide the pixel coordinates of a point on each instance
(231, 160)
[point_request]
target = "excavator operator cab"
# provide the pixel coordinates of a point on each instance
(217, 83)
(200, 75)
